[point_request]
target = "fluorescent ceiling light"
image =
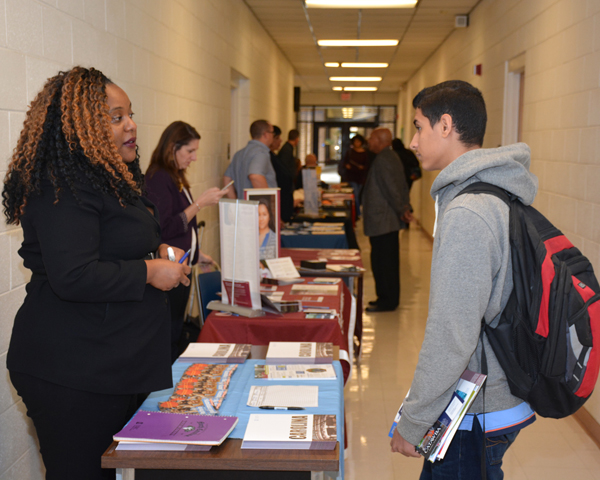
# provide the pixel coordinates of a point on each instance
(360, 3)
(332, 64)
(338, 89)
(364, 65)
(357, 43)
(355, 79)
(360, 89)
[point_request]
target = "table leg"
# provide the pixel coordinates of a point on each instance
(358, 328)
(125, 473)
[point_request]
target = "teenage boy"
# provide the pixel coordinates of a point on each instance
(471, 280)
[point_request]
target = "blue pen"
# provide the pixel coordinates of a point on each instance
(185, 256)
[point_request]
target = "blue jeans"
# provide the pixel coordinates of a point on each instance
(357, 188)
(463, 458)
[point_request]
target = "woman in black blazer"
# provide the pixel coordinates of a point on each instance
(93, 331)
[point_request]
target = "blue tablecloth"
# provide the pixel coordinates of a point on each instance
(314, 241)
(331, 398)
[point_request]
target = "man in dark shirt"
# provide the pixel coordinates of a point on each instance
(285, 177)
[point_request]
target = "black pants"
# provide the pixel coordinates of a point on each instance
(178, 298)
(385, 262)
(74, 428)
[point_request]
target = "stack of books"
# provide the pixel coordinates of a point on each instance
(289, 353)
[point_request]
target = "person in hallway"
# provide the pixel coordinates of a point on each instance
(386, 211)
(356, 166)
(412, 169)
(93, 331)
(168, 188)
(285, 178)
(310, 161)
(470, 281)
(286, 154)
(251, 166)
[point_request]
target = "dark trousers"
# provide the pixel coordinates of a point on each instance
(178, 298)
(74, 428)
(385, 262)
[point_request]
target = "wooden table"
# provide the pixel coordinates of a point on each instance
(226, 461)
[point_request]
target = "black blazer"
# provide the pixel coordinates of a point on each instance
(89, 321)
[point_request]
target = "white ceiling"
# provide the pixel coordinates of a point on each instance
(296, 29)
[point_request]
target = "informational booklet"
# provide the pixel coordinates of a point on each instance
(176, 428)
(325, 281)
(295, 372)
(162, 447)
(305, 289)
(216, 353)
(290, 432)
(282, 268)
(298, 396)
(436, 441)
(291, 353)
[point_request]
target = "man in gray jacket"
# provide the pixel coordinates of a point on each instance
(386, 210)
(471, 280)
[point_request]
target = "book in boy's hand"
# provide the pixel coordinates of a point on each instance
(215, 353)
(290, 432)
(280, 353)
(180, 428)
(435, 443)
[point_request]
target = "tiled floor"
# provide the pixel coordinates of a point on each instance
(548, 449)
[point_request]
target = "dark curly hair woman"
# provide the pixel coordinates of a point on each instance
(93, 331)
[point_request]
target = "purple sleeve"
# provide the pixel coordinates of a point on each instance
(162, 191)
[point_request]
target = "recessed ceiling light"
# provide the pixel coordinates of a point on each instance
(332, 64)
(360, 89)
(338, 89)
(360, 3)
(357, 43)
(364, 65)
(355, 79)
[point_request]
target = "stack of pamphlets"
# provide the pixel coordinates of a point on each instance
(291, 353)
(163, 431)
(436, 441)
(200, 391)
(216, 353)
(291, 432)
(294, 372)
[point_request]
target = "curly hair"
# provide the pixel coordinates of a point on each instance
(175, 136)
(67, 137)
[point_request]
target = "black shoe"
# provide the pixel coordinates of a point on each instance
(378, 308)
(373, 303)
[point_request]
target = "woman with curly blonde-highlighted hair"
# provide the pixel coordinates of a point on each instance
(93, 331)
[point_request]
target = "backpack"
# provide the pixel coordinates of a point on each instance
(544, 340)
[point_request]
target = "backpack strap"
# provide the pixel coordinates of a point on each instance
(483, 187)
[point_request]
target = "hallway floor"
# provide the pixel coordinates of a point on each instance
(549, 449)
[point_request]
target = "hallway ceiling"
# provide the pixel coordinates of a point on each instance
(296, 30)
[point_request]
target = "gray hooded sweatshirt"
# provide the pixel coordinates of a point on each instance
(471, 279)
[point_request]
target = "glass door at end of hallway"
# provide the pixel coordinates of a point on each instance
(332, 140)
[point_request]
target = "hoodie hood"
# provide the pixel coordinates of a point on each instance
(506, 167)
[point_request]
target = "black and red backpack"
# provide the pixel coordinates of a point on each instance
(544, 340)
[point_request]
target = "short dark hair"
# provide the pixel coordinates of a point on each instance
(293, 135)
(276, 131)
(462, 101)
(259, 127)
(358, 137)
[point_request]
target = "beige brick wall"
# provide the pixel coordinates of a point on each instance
(561, 43)
(174, 59)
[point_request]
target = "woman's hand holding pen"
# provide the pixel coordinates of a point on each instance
(166, 275)
(163, 252)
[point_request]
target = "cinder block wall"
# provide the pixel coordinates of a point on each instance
(174, 58)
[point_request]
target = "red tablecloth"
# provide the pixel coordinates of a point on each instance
(291, 327)
(298, 254)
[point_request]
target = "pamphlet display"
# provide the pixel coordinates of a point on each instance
(216, 352)
(269, 205)
(294, 372)
(311, 192)
(240, 278)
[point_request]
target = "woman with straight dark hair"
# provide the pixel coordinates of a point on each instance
(168, 188)
(93, 330)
